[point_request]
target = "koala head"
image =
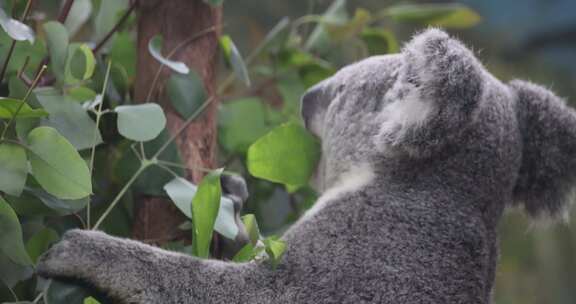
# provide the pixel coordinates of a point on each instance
(434, 110)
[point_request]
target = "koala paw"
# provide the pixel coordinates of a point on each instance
(67, 258)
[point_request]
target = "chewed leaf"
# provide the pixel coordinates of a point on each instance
(155, 47)
(16, 29)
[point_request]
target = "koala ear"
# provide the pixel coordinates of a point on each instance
(435, 96)
(547, 177)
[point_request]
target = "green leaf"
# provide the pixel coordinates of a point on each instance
(64, 292)
(336, 14)
(379, 41)
(235, 59)
(214, 2)
(90, 300)
(155, 49)
(205, 206)
(57, 166)
(40, 242)
(15, 29)
(11, 243)
(186, 92)
(275, 249)
(123, 52)
(288, 154)
(245, 254)
(141, 122)
(82, 94)
(8, 107)
(182, 192)
(451, 15)
(69, 118)
(57, 41)
(80, 64)
(79, 13)
(12, 273)
(13, 168)
(251, 226)
(341, 32)
(236, 133)
(107, 16)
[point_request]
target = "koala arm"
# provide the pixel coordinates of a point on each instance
(133, 272)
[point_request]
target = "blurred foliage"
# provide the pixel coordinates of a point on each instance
(81, 109)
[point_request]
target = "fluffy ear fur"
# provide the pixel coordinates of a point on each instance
(434, 98)
(548, 173)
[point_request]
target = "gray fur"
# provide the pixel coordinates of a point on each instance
(422, 151)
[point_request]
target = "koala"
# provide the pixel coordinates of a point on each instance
(421, 153)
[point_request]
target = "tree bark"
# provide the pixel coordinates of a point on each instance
(177, 20)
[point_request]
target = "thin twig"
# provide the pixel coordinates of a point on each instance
(96, 132)
(115, 28)
(23, 102)
(201, 169)
(65, 11)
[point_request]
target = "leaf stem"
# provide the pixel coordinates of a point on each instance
(183, 127)
(116, 27)
(30, 89)
(201, 169)
(120, 194)
(95, 136)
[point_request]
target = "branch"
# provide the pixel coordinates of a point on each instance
(65, 11)
(11, 50)
(115, 28)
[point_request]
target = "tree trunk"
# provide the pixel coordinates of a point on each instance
(177, 20)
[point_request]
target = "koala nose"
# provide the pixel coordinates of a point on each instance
(309, 104)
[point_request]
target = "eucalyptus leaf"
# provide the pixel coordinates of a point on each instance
(79, 13)
(451, 15)
(11, 243)
(12, 273)
(236, 133)
(107, 16)
(90, 300)
(336, 14)
(15, 29)
(288, 154)
(235, 59)
(251, 226)
(57, 166)
(8, 107)
(245, 254)
(379, 41)
(13, 168)
(40, 242)
(182, 192)
(57, 41)
(68, 117)
(141, 122)
(275, 249)
(186, 92)
(205, 206)
(155, 49)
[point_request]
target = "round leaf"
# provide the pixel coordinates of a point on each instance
(288, 154)
(13, 168)
(57, 41)
(186, 92)
(15, 29)
(155, 47)
(80, 64)
(236, 132)
(79, 13)
(140, 122)
(11, 243)
(40, 242)
(57, 166)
